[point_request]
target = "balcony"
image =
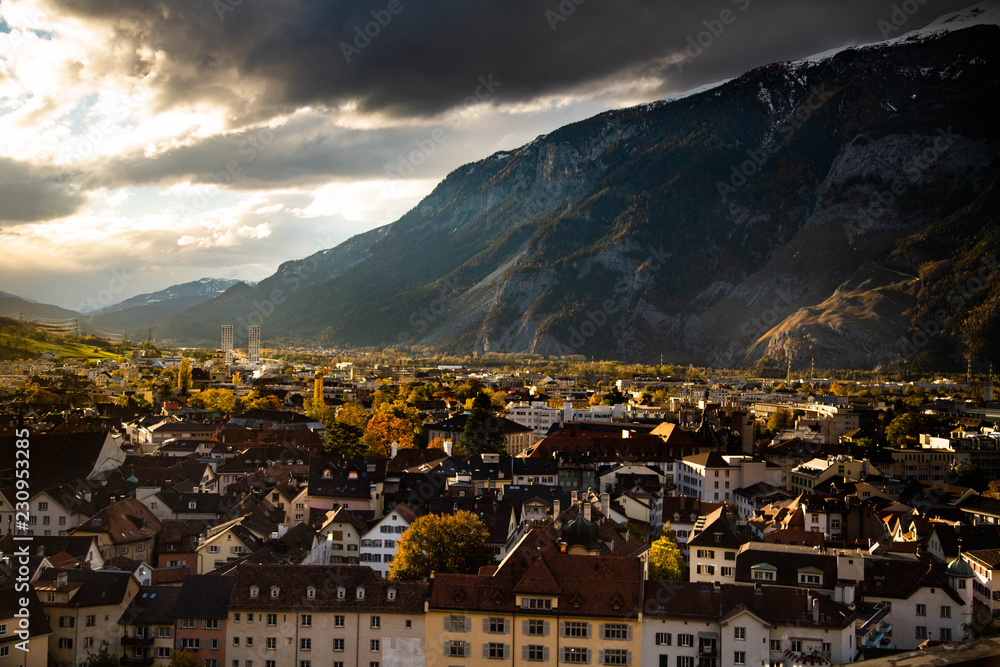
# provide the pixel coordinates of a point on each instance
(138, 641)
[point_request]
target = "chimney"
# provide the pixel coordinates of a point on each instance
(447, 447)
(586, 511)
(393, 448)
(555, 509)
(573, 498)
(815, 608)
(605, 504)
(62, 580)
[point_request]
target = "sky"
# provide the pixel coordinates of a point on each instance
(145, 144)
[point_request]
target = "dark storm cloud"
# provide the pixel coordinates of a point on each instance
(421, 58)
(30, 194)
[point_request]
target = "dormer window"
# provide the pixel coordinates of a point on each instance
(763, 572)
(96, 522)
(311, 592)
(391, 595)
(254, 590)
(327, 473)
(341, 593)
(274, 592)
(193, 505)
(361, 592)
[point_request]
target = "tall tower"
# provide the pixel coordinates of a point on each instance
(227, 342)
(988, 390)
(253, 348)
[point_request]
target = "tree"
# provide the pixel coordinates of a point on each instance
(184, 376)
(256, 400)
(217, 400)
(182, 658)
(613, 397)
(779, 421)
(665, 559)
(441, 543)
(343, 440)
(904, 430)
(353, 414)
(993, 490)
(484, 433)
(103, 658)
(385, 429)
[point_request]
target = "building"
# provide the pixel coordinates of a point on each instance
(805, 477)
(690, 623)
(83, 608)
(381, 540)
(38, 630)
(148, 626)
(714, 477)
(517, 438)
(713, 545)
(547, 601)
(324, 616)
(227, 343)
(125, 529)
(253, 345)
(202, 615)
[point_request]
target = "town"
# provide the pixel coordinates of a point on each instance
(221, 507)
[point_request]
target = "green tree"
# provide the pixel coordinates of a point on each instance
(184, 376)
(441, 543)
(779, 421)
(613, 397)
(904, 430)
(344, 440)
(665, 559)
(182, 658)
(484, 433)
(102, 658)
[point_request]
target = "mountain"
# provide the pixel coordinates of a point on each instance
(26, 309)
(141, 312)
(783, 214)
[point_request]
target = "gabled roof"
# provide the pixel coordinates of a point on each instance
(721, 531)
(154, 605)
(127, 520)
(95, 587)
(900, 579)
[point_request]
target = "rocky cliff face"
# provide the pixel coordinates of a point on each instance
(759, 219)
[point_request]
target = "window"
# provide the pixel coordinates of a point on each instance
(739, 657)
(254, 590)
(236, 641)
(214, 549)
(272, 620)
(43, 506)
(616, 631)
(376, 622)
(89, 621)
(271, 643)
(921, 610)
(272, 663)
(307, 620)
(575, 629)
(945, 634)
(727, 571)
(706, 553)
(685, 640)
(921, 632)
(496, 650)
(685, 661)
(65, 642)
(66, 621)
(706, 569)
(615, 656)
(305, 644)
(775, 644)
(302, 663)
(810, 578)
(535, 653)
(827, 647)
(536, 603)
(456, 623)
(796, 645)
(88, 642)
(374, 645)
(496, 625)
(663, 638)
(453, 649)
(338, 645)
(536, 628)
(338, 621)
(164, 632)
(213, 644)
(945, 611)
(62, 521)
(576, 655)
(211, 624)
(249, 641)
(188, 623)
(740, 633)
(162, 651)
